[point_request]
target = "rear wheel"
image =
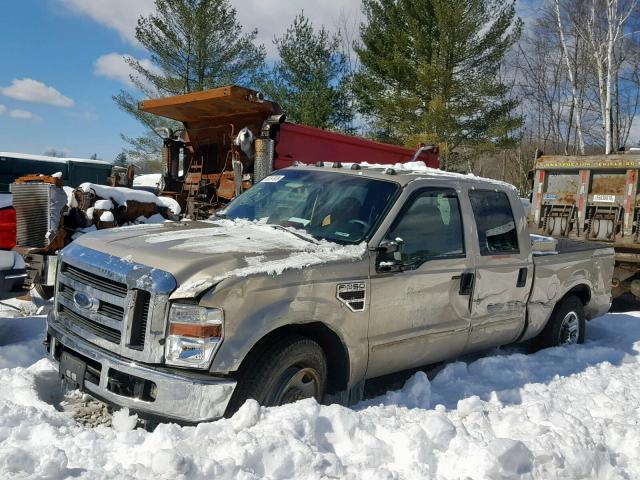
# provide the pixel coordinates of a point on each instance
(566, 326)
(292, 369)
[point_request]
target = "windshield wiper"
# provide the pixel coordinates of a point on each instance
(293, 231)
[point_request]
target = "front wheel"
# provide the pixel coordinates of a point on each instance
(291, 369)
(566, 325)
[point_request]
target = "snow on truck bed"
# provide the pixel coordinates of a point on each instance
(560, 413)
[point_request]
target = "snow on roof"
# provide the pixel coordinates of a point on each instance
(419, 167)
(28, 156)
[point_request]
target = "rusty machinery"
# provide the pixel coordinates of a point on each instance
(592, 198)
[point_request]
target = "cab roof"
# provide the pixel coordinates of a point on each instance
(402, 173)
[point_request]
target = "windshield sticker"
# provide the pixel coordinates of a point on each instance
(303, 221)
(273, 178)
(342, 234)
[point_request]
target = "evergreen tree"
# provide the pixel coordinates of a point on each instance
(194, 45)
(121, 160)
(429, 71)
(310, 80)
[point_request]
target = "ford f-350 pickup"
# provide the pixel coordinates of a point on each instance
(311, 282)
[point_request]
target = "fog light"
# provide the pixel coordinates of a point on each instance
(194, 335)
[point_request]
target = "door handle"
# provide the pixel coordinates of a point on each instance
(466, 282)
(522, 277)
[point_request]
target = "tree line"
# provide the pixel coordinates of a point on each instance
(467, 75)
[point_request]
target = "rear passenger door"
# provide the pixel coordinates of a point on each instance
(503, 273)
(419, 314)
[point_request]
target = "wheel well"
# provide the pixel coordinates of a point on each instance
(334, 350)
(583, 292)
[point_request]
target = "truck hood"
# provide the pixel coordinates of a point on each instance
(201, 254)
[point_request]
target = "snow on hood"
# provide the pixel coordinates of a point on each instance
(255, 240)
(201, 254)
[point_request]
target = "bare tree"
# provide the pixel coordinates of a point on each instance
(572, 67)
(605, 37)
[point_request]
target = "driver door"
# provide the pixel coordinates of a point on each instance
(419, 312)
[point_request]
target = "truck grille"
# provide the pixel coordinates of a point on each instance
(100, 283)
(107, 319)
(102, 331)
(114, 303)
(32, 203)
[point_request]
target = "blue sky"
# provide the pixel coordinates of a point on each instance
(58, 48)
(73, 48)
(62, 62)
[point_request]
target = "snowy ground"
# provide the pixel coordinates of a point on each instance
(560, 413)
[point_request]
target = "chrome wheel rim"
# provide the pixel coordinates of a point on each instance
(569, 329)
(298, 384)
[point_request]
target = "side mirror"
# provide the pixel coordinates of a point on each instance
(390, 246)
(395, 247)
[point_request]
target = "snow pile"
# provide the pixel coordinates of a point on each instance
(103, 205)
(171, 204)
(560, 413)
(121, 195)
(148, 180)
(107, 217)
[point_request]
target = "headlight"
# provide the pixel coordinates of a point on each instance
(194, 335)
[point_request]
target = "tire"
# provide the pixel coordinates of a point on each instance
(289, 370)
(566, 326)
(45, 291)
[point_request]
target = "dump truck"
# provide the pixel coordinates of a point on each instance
(231, 138)
(308, 284)
(593, 198)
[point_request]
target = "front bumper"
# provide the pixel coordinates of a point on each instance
(183, 396)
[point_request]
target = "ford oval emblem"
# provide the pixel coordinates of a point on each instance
(83, 300)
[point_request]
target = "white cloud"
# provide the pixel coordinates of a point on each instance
(114, 66)
(23, 114)
(270, 17)
(120, 15)
(3, 109)
(30, 90)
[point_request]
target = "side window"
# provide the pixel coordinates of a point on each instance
(430, 228)
(497, 233)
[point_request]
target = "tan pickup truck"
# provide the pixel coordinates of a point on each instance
(311, 282)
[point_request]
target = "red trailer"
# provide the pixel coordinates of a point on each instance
(215, 170)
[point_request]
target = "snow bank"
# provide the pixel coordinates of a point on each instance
(560, 413)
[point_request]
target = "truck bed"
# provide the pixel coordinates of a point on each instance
(567, 245)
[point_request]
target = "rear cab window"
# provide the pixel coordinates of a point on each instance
(497, 231)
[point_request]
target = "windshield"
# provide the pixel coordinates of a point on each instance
(339, 208)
